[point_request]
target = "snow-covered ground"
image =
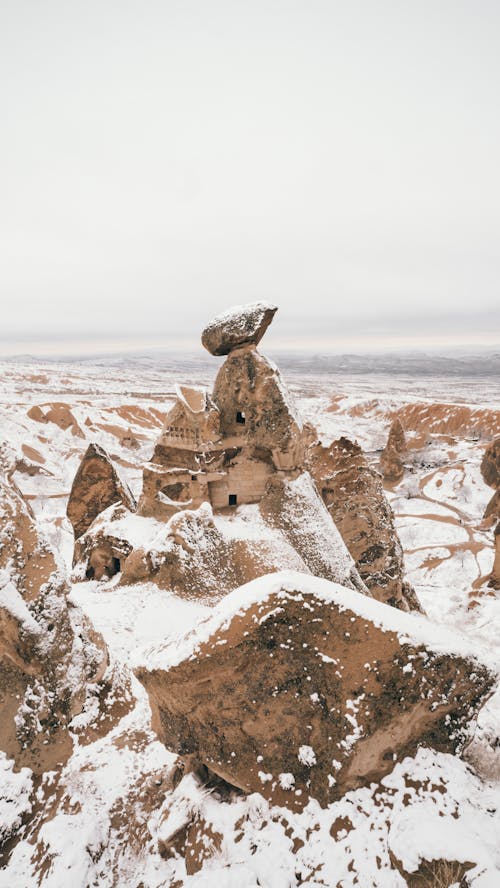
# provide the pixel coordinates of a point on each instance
(98, 822)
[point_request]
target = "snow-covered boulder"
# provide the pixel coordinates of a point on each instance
(297, 687)
(240, 325)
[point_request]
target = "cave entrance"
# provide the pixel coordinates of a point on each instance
(240, 417)
(233, 499)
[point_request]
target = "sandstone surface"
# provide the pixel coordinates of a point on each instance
(241, 325)
(298, 688)
(96, 486)
(48, 651)
(353, 494)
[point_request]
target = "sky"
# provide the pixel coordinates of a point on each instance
(163, 160)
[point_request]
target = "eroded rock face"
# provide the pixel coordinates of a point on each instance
(490, 464)
(353, 494)
(241, 325)
(391, 459)
(299, 688)
(494, 581)
(48, 651)
(96, 487)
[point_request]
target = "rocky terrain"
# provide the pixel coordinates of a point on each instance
(248, 632)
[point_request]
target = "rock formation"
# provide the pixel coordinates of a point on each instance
(96, 486)
(490, 470)
(490, 464)
(299, 688)
(241, 446)
(494, 580)
(391, 462)
(353, 494)
(48, 652)
(242, 325)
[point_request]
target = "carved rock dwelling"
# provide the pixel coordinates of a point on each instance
(224, 448)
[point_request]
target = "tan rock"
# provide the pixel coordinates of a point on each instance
(397, 438)
(493, 508)
(353, 494)
(298, 688)
(494, 581)
(490, 464)
(241, 325)
(96, 487)
(391, 462)
(48, 651)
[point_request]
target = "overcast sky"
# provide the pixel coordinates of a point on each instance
(160, 161)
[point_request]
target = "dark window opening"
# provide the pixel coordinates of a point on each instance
(240, 417)
(116, 566)
(193, 477)
(232, 499)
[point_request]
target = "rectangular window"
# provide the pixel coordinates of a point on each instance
(240, 417)
(232, 499)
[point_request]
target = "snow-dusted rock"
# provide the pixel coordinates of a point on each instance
(353, 494)
(296, 688)
(240, 325)
(96, 486)
(48, 651)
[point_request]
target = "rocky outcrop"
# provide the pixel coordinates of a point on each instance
(391, 459)
(96, 487)
(48, 651)
(298, 688)
(490, 470)
(494, 580)
(353, 494)
(241, 325)
(202, 556)
(296, 509)
(490, 464)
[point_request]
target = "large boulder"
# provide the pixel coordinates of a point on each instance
(353, 494)
(96, 486)
(241, 325)
(48, 651)
(490, 464)
(296, 688)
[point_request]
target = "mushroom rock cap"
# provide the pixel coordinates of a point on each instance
(239, 325)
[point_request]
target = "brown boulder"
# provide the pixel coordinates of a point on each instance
(299, 688)
(493, 508)
(353, 494)
(241, 325)
(96, 486)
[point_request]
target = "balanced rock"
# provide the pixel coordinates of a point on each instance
(241, 325)
(48, 651)
(95, 487)
(353, 494)
(297, 688)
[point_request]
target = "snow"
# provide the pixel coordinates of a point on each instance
(410, 627)
(429, 806)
